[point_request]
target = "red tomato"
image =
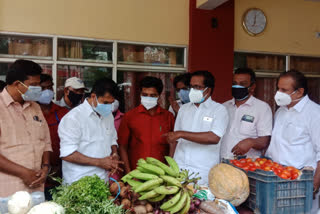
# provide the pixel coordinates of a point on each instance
(243, 161)
(289, 168)
(283, 176)
(251, 164)
(261, 162)
(276, 165)
(294, 176)
(238, 164)
(249, 160)
(246, 167)
(256, 164)
(258, 159)
(252, 168)
(268, 164)
(277, 171)
(267, 168)
(288, 173)
(232, 161)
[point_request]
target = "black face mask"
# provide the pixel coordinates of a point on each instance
(240, 92)
(75, 98)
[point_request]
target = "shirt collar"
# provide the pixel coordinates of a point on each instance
(8, 100)
(299, 106)
(87, 108)
(142, 109)
(206, 103)
(249, 102)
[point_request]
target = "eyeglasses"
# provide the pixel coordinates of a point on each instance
(197, 87)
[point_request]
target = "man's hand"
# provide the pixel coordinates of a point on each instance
(28, 177)
(109, 164)
(41, 177)
(242, 147)
(115, 156)
(172, 137)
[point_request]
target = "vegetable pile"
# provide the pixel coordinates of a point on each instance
(284, 172)
(87, 195)
(166, 187)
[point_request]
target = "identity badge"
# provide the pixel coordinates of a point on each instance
(247, 118)
(208, 119)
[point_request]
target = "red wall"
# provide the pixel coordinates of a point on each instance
(212, 49)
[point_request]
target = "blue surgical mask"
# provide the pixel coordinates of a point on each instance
(32, 94)
(183, 95)
(46, 97)
(103, 109)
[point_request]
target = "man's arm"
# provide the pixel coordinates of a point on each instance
(197, 137)
(44, 171)
(106, 163)
(123, 149)
(9, 167)
(316, 179)
(260, 143)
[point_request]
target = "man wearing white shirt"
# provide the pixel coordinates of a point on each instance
(295, 137)
(88, 139)
(250, 124)
(199, 127)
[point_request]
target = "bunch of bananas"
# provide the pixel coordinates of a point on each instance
(158, 181)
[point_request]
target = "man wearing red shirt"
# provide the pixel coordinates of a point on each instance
(53, 114)
(141, 130)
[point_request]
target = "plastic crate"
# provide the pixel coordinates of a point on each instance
(270, 194)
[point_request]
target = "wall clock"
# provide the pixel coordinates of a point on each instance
(254, 21)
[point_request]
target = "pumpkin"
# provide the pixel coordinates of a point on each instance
(229, 183)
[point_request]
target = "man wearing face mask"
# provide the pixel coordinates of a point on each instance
(53, 115)
(250, 125)
(74, 89)
(141, 130)
(88, 138)
(199, 127)
(24, 135)
(295, 139)
(181, 84)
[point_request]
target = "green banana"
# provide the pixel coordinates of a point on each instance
(171, 180)
(178, 206)
(152, 168)
(150, 194)
(141, 160)
(171, 202)
(133, 183)
(157, 199)
(186, 208)
(126, 178)
(167, 190)
(148, 184)
(173, 164)
(142, 176)
(153, 187)
(163, 166)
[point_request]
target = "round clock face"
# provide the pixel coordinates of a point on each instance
(254, 21)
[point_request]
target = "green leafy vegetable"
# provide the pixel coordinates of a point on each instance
(87, 195)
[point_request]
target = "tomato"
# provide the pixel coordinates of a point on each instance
(268, 164)
(283, 176)
(243, 161)
(258, 159)
(288, 173)
(252, 168)
(295, 171)
(276, 164)
(277, 171)
(246, 167)
(238, 164)
(256, 163)
(251, 164)
(267, 168)
(232, 161)
(294, 176)
(261, 162)
(249, 160)
(289, 168)
(280, 167)
(269, 161)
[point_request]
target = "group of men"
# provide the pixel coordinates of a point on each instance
(91, 136)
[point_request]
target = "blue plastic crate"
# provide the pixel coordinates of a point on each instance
(270, 194)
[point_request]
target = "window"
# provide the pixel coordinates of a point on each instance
(268, 67)
(91, 59)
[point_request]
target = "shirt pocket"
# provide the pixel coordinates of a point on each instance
(294, 134)
(247, 129)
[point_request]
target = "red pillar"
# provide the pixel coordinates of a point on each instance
(212, 48)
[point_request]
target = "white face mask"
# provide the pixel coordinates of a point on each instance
(196, 96)
(115, 106)
(149, 102)
(283, 99)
